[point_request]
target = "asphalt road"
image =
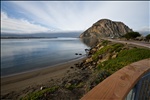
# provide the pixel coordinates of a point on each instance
(138, 43)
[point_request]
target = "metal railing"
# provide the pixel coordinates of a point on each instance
(141, 90)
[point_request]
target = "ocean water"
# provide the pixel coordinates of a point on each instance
(21, 55)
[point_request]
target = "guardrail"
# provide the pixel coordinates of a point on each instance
(141, 90)
(122, 84)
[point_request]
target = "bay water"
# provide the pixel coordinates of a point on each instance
(21, 55)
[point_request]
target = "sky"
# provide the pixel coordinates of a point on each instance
(52, 16)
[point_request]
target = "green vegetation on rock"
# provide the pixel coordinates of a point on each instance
(110, 57)
(124, 58)
(107, 48)
(39, 94)
(74, 85)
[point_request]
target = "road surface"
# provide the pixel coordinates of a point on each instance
(138, 43)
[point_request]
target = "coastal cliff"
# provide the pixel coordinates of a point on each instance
(106, 28)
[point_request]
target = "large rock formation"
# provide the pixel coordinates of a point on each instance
(106, 28)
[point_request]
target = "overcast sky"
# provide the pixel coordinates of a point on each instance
(45, 16)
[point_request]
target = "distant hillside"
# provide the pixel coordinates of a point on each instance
(45, 35)
(106, 28)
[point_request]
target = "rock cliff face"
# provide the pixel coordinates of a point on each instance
(106, 28)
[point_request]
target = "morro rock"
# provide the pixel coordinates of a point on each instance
(106, 28)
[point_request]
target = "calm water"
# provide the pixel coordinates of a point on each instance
(20, 55)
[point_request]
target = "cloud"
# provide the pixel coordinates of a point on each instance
(145, 28)
(80, 15)
(12, 25)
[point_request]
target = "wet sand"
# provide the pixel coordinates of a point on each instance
(37, 77)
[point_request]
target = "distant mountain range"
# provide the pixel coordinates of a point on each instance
(43, 35)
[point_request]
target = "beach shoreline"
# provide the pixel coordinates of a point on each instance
(37, 69)
(41, 76)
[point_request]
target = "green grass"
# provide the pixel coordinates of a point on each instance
(124, 58)
(70, 87)
(73, 86)
(39, 94)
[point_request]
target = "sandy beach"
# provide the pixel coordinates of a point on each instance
(37, 78)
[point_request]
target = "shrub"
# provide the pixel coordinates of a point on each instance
(148, 37)
(105, 42)
(132, 35)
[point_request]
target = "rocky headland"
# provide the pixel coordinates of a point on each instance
(106, 28)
